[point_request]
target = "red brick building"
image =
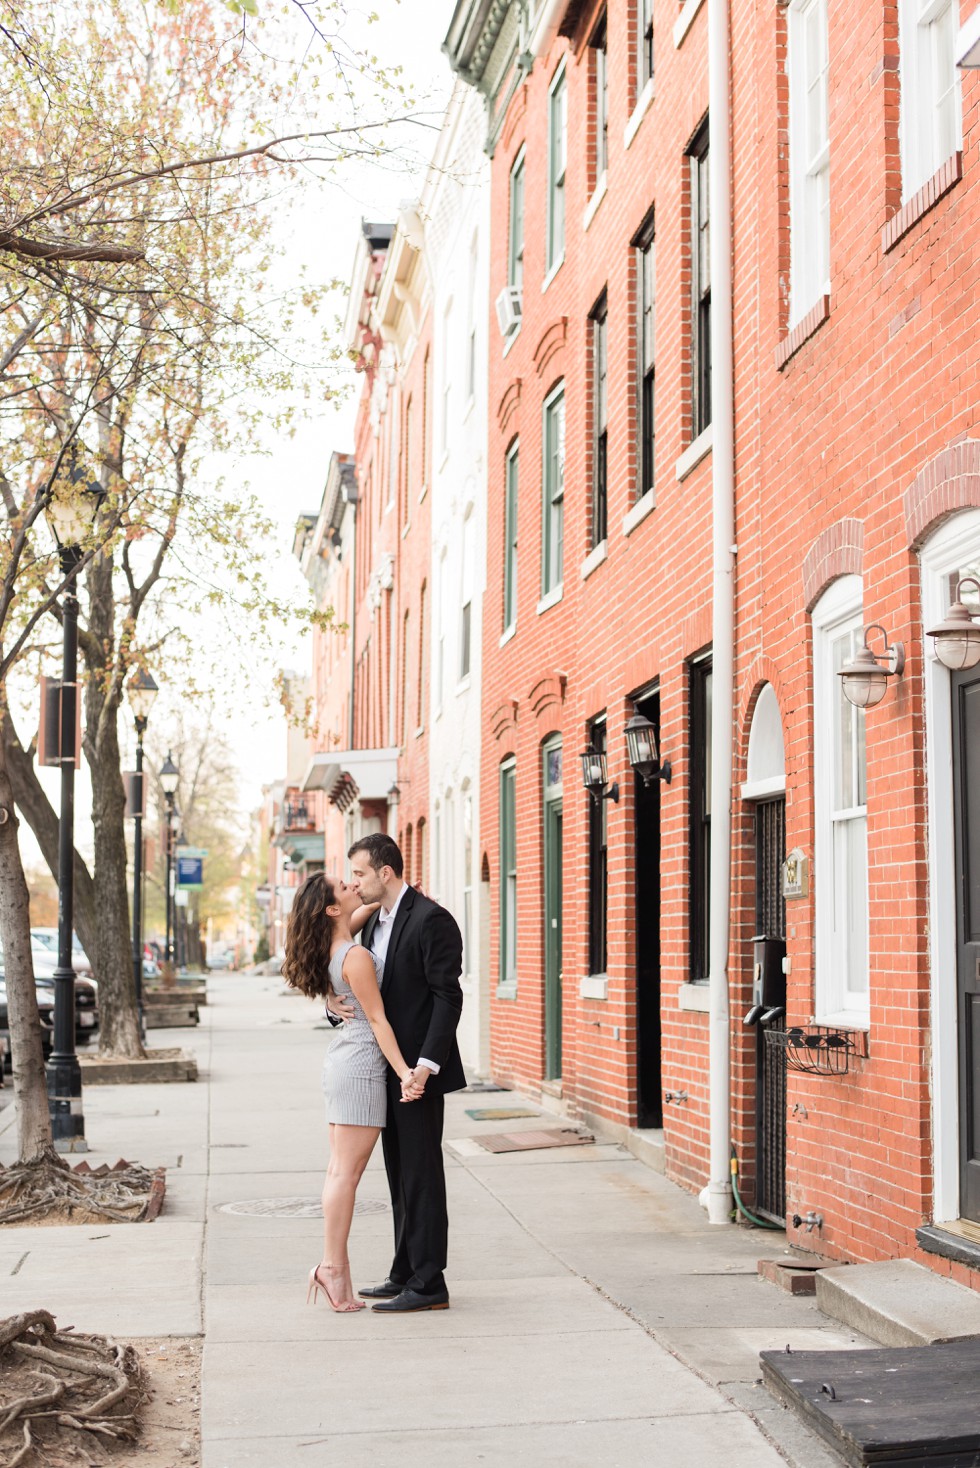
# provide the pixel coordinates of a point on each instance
(709, 548)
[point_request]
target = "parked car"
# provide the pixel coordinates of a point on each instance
(221, 958)
(45, 1005)
(86, 990)
(151, 969)
(48, 938)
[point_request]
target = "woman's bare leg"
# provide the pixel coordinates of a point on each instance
(350, 1149)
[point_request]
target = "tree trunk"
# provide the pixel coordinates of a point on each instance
(34, 1140)
(37, 810)
(119, 1032)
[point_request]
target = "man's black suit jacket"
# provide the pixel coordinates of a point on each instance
(420, 985)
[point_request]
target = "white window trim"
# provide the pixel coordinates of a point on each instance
(955, 544)
(558, 80)
(917, 143)
(639, 112)
(840, 605)
(807, 281)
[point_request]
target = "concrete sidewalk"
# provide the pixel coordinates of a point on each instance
(596, 1316)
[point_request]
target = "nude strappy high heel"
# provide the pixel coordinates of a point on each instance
(317, 1284)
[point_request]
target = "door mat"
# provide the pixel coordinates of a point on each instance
(532, 1141)
(500, 1113)
(891, 1406)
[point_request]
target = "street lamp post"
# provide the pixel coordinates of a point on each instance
(169, 777)
(142, 691)
(71, 511)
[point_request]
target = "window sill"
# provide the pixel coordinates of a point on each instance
(644, 505)
(695, 998)
(507, 991)
(551, 598)
(922, 201)
(639, 113)
(595, 559)
(463, 686)
(420, 731)
(406, 528)
(802, 331)
(596, 986)
(844, 1019)
(423, 492)
(685, 20)
(694, 453)
(388, 509)
(510, 341)
(506, 636)
(552, 273)
(469, 407)
(592, 207)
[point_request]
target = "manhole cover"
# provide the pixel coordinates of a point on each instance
(293, 1207)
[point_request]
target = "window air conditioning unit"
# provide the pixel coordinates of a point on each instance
(508, 305)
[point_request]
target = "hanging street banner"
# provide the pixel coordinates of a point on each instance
(190, 867)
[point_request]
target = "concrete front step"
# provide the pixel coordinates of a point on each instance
(647, 1144)
(899, 1303)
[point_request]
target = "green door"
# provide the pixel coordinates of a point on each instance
(552, 909)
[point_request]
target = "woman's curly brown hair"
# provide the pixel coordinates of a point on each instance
(308, 938)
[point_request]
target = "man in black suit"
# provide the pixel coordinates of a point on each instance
(421, 951)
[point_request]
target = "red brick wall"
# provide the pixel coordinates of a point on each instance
(845, 459)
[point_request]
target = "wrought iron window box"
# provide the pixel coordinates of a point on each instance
(819, 1050)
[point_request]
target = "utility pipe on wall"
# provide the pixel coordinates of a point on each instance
(723, 606)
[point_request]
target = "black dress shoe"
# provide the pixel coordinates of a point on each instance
(410, 1300)
(386, 1291)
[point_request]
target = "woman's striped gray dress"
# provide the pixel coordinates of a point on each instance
(354, 1070)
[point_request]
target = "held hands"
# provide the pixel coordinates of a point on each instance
(413, 1083)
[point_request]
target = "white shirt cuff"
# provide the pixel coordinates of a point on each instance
(429, 1065)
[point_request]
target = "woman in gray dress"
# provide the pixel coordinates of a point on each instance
(322, 959)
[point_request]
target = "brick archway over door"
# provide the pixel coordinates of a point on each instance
(837, 551)
(949, 483)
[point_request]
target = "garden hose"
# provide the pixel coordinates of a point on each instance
(759, 1222)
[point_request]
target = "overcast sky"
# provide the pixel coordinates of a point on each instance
(318, 228)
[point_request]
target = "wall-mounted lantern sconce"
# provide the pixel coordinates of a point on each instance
(957, 638)
(865, 678)
(595, 775)
(641, 741)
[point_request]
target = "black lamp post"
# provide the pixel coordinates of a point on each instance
(71, 511)
(142, 691)
(169, 777)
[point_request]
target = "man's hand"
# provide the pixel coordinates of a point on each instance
(413, 1085)
(339, 1009)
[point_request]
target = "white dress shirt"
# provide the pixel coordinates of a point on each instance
(380, 939)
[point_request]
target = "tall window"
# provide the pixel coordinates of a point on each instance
(557, 129)
(600, 419)
(426, 419)
(553, 517)
(644, 16)
(598, 863)
(809, 156)
(510, 535)
(407, 463)
(700, 285)
(447, 379)
(646, 320)
(700, 816)
(420, 689)
(471, 340)
(406, 652)
(930, 126)
(600, 98)
(841, 814)
(466, 600)
(468, 954)
(508, 873)
(442, 614)
(515, 237)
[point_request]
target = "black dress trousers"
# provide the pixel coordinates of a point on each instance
(412, 1141)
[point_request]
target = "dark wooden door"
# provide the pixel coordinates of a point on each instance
(770, 922)
(649, 1100)
(966, 796)
(553, 831)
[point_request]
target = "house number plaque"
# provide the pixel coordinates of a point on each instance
(796, 874)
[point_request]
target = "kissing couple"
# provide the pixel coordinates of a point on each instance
(395, 994)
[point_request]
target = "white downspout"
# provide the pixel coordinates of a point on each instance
(723, 606)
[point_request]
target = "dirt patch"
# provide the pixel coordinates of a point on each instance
(146, 1399)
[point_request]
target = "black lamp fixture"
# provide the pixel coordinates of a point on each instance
(169, 778)
(595, 776)
(72, 507)
(641, 742)
(957, 638)
(864, 678)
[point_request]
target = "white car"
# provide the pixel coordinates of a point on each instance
(48, 938)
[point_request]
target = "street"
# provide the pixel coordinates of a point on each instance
(596, 1316)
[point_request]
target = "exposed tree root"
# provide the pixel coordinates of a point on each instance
(61, 1410)
(48, 1190)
